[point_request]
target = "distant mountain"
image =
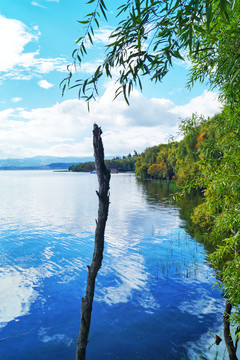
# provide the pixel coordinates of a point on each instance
(41, 162)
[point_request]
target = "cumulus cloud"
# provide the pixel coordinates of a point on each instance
(45, 84)
(66, 128)
(14, 61)
(207, 104)
(13, 45)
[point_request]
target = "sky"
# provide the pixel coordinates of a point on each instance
(36, 40)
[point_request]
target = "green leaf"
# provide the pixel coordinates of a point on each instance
(63, 89)
(103, 4)
(96, 21)
(90, 38)
(84, 49)
(208, 13)
(103, 11)
(83, 21)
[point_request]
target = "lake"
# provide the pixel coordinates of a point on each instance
(154, 296)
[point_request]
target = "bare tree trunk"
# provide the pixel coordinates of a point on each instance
(227, 333)
(103, 205)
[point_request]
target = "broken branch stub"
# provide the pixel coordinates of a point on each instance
(103, 175)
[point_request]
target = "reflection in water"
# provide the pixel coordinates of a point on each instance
(204, 304)
(17, 293)
(157, 192)
(154, 297)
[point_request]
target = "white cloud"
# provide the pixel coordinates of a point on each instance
(45, 84)
(34, 3)
(45, 66)
(13, 45)
(88, 67)
(66, 128)
(101, 36)
(16, 99)
(186, 62)
(207, 104)
(17, 64)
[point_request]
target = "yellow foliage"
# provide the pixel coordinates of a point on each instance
(203, 216)
(158, 171)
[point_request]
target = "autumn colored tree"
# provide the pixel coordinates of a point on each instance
(157, 171)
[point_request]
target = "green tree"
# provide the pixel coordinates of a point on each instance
(219, 59)
(150, 34)
(219, 214)
(141, 167)
(186, 156)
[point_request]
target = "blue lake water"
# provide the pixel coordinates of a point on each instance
(154, 296)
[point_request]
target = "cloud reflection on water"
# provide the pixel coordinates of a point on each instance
(202, 305)
(17, 292)
(152, 270)
(22, 282)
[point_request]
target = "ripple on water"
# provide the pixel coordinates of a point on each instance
(153, 298)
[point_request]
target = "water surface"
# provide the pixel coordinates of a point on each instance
(154, 296)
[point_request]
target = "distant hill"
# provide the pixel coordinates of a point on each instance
(42, 162)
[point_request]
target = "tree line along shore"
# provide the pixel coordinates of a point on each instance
(207, 158)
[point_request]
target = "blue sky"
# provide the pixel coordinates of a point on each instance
(37, 39)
